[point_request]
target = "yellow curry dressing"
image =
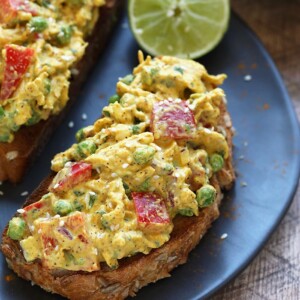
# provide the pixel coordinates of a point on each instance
(102, 219)
(56, 30)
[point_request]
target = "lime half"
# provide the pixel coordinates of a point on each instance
(182, 28)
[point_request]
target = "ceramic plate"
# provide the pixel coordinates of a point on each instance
(266, 156)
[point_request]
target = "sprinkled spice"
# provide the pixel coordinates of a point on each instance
(71, 124)
(9, 278)
(224, 236)
(247, 77)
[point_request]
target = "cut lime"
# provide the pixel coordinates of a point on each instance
(182, 28)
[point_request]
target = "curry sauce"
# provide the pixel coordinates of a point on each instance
(40, 43)
(148, 159)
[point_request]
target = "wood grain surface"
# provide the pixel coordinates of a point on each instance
(275, 273)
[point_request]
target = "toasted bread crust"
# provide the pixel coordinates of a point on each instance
(134, 272)
(29, 141)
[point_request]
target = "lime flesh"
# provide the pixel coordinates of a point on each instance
(182, 28)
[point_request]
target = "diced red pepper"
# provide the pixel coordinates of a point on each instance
(75, 221)
(9, 9)
(34, 210)
(151, 210)
(17, 61)
(49, 243)
(36, 205)
(70, 176)
(172, 119)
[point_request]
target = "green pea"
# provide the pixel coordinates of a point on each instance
(2, 112)
(38, 24)
(106, 113)
(143, 155)
(135, 129)
(62, 207)
(127, 79)
(144, 187)
(4, 137)
(80, 135)
(35, 118)
(216, 162)
(47, 85)
(186, 212)
(64, 35)
(114, 98)
(16, 228)
(86, 148)
(206, 195)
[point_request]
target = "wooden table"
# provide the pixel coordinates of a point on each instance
(275, 273)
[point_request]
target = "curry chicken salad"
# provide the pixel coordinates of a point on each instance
(148, 159)
(40, 43)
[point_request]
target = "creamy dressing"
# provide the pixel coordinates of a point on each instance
(103, 224)
(43, 90)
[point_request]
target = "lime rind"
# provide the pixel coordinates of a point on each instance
(182, 28)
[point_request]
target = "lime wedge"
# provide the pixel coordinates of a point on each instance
(182, 28)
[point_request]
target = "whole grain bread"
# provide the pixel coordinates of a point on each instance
(134, 272)
(15, 157)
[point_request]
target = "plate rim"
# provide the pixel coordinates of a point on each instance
(295, 125)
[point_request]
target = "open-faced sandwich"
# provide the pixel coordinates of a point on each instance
(128, 202)
(47, 47)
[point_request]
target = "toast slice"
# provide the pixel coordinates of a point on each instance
(15, 157)
(138, 270)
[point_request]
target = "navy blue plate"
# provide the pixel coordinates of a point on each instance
(266, 156)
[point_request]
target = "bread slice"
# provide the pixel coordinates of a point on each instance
(29, 141)
(133, 272)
